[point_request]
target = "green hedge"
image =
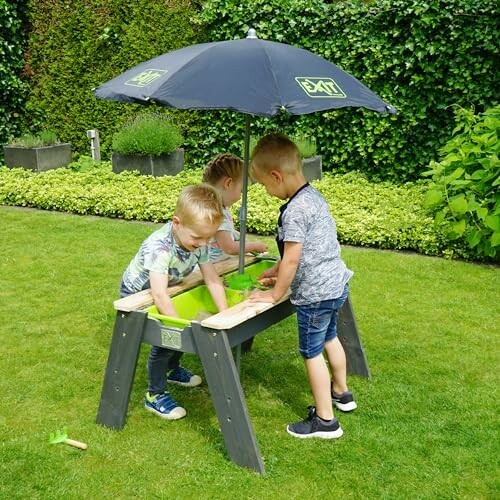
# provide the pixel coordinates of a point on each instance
(75, 46)
(381, 215)
(13, 89)
(421, 57)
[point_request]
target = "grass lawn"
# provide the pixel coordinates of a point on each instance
(426, 426)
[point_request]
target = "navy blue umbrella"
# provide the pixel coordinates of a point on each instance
(253, 76)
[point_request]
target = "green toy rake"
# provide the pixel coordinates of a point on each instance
(62, 437)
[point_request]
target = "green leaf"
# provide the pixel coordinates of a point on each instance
(474, 238)
(458, 228)
(433, 197)
(493, 222)
(495, 239)
(459, 205)
(482, 212)
(458, 172)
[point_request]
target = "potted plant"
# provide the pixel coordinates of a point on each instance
(311, 162)
(150, 144)
(37, 152)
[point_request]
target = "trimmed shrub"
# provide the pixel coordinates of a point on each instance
(381, 215)
(45, 138)
(148, 134)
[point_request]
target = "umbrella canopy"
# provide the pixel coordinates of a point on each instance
(253, 76)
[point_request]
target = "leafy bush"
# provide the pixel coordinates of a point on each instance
(464, 192)
(306, 145)
(45, 138)
(381, 215)
(148, 134)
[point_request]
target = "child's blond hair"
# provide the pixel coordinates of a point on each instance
(223, 165)
(276, 152)
(198, 205)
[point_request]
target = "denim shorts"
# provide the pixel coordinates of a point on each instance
(318, 324)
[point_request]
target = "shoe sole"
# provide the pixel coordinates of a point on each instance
(173, 415)
(194, 382)
(346, 406)
(321, 434)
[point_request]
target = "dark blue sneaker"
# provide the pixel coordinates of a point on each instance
(315, 427)
(182, 376)
(164, 406)
(344, 401)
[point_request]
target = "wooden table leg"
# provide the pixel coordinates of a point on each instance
(120, 370)
(227, 396)
(350, 339)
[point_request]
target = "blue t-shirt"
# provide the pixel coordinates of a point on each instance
(160, 253)
(321, 273)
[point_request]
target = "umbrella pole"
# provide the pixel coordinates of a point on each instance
(244, 189)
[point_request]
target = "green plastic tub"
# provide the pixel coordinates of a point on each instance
(197, 303)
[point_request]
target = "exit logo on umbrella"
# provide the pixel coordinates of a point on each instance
(146, 78)
(320, 87)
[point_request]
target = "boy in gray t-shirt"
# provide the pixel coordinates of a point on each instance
(312, 268)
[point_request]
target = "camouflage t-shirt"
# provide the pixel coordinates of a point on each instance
(321, 273)
(161, 254)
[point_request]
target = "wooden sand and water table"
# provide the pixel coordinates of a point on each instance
(212, 338)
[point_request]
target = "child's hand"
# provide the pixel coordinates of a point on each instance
(267, 282)
(261, 296)
(269, 273)
(259, 247)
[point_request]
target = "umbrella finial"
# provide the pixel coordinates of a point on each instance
(251, 33)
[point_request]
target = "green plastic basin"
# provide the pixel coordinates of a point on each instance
(198, 301)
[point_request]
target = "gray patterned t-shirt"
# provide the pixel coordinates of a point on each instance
(321, 273)
(161, 254)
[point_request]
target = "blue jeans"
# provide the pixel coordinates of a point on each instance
(160, 361)
(318, 324)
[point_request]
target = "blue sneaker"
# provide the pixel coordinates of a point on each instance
(315, 427)
(182, 376)
(344, 401)
(164, 406)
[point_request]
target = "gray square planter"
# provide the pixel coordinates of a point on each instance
(38, 159)
(312, 168)
(167, 164)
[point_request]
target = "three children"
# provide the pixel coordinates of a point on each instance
(202, 231)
